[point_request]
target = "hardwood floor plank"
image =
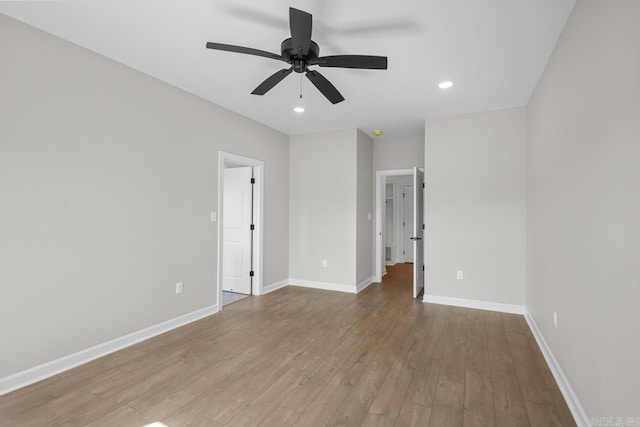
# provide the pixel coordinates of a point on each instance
(445, 416)
(424, 383)
(507, 401)
(413, 415)
(262, 406)
(281, 417)
(325, 404)
(374, 420)
(167, 406)
(312, 382)
(543, 415)
(392, 393)
(454, 357)
(355, 405)
(121, 416)
(477, 351)
(435, 343)
(478, 400)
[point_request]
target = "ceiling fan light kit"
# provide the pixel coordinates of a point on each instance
(300, 52)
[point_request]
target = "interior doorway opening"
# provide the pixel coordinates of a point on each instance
(240, 207)
(400, 222)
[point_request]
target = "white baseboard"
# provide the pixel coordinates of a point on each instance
(54, 367)
(323, 285)
(578, 412)
(364, 284)
(275, 286)
(470, 303)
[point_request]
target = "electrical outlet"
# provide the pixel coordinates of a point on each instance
(214, 217)
(460, 275)
(555, 318)
(324, 263)
(179, 288)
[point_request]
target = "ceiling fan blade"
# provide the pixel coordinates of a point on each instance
(365, 62)
(325, 86)
(300, 23)
(271, 81)
(245, 50)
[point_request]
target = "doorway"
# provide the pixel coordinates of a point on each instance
(240, 207)
(415, 183)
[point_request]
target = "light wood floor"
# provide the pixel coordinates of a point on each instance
(305, 357)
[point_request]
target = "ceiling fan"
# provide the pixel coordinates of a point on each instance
(301, 52)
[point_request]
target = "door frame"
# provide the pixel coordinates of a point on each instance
(258, 212)
(380, 196)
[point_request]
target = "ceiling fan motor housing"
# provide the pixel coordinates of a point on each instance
(295, 57)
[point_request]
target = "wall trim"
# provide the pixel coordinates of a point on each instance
(578, 412)
(364, 284)
(471, 303)
(54, 367)
(274, 286)
(323, 285)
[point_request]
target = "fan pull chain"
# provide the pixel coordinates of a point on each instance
(300, 85)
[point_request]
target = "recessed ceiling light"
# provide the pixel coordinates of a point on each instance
(299, 109)
(445, 85)
(377, 132)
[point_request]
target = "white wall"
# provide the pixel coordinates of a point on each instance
(364, 214)
(584, 205)
(107, 178)
(398, 153)
(475, 206)
(323, 207)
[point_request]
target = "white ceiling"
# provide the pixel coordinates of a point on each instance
(494, 50)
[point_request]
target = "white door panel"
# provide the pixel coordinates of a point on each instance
(238, 208)
(233, 263)
(418, 232)
(407, 223)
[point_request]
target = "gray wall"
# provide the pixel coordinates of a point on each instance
(107, 178)
(398, 153)
(583, 216)
(323, 207)
(364, 226)
(475, 206)
(331, 196)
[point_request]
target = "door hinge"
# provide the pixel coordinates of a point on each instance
(251, 273)
(402, 252)
(252, 227)
(423, 185)
(403, 194)
(403, 223)
(253, 180)
(423, 226)
(422, 267)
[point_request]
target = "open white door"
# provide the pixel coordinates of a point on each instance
(237, 243)
(418, 232)
(408, 227)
